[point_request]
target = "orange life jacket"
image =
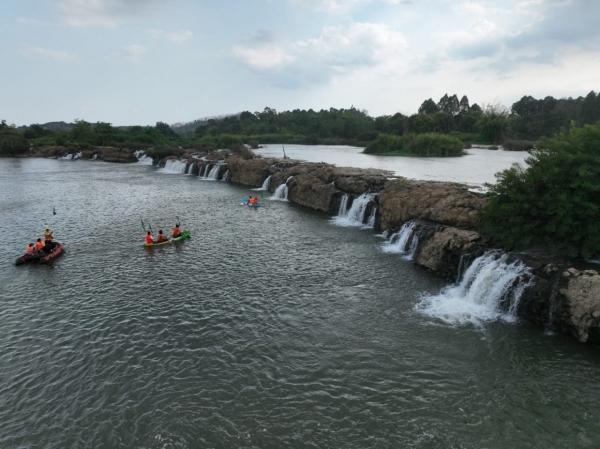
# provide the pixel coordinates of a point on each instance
(161, 238)
(30, 249)
(39, 245)
(175, 232)
(149, 238)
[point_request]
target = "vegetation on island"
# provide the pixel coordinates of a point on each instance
(424, 145)
(554, 201)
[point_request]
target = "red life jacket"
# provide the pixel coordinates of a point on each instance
(149, 238)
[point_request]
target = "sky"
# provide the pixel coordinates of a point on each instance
(137, 62)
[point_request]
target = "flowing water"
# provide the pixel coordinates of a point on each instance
(269, 328)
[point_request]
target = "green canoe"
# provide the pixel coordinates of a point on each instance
(184, 235)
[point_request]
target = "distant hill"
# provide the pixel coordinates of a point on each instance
(51, 126)
(187, 129)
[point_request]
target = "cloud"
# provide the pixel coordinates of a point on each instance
(175, 37)
(338, 51)
(340, 6)
(107, 13)
(59, 55)
(517, 33)
(134, 53)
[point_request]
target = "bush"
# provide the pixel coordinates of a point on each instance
(162, 151)
(518, 145)
(555, 201)
(423, 145)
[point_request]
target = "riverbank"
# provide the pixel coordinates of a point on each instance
(434, 224)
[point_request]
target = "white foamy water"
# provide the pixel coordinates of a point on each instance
(266, 184)
(175, 166)
(478, 297)
(281, 193)
(404, 242)
(355, 215)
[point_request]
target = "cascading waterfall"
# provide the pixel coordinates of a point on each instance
(78, 155)
(213, 174)
(175, 166)
(202, 171)
(142, 158)
(226, 176)
(265, 185)
(355, 216)
(489, 290)
(281, 194)
(371, 220)
(68, 156)
(405, 242)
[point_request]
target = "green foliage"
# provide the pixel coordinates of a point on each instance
(518, 145)
(423, 145)
(12, 142)
(555, 201)
(162, 151)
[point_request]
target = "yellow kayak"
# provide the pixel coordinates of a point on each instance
(148, 245)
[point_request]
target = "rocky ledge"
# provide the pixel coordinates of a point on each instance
(443, 219)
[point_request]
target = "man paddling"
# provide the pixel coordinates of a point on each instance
(176, 231)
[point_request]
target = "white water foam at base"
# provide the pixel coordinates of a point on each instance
(477, 298)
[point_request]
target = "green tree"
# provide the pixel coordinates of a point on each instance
(555, 201)
(428, 107)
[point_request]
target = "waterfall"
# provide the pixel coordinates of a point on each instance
(68, 156)
(202, 171)
(175, 166)
(405, 242)
(226, 176)
(355, 216)
(281, 194)
(371, 220)
(142, 158)
(213, 174)
(489, 290)
(95, 156)
(78, 155)
(266, 183)
(190, 168)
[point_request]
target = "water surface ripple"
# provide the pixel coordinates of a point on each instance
(268, 328)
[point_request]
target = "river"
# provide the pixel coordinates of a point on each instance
(269, 328)
(477, 167)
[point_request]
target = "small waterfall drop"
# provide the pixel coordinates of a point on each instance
(175, 166)
(355, 215)
(405, 242)
(78, 155)
(68, 156)
(142, 158)
(281, 194)
(213, 174)
(226, 176)
(489, 290)
(266, 184)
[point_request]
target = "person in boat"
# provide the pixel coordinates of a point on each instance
(31, 250)
(253, 201)
(176, 231)
(161, 237)
(149, 238)
(39, 245)
(48, 243)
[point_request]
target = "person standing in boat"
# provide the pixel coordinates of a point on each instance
(149, 238)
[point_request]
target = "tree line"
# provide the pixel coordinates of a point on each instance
(527, 121)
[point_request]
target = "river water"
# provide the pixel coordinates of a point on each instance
(477, 167)
(269, 328)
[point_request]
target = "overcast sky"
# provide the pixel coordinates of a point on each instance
(141, 61)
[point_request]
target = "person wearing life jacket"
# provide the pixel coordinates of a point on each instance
(176, 231)
(48, 243)
(149, 238)
(39, 245)
(254, 200)
(31, 249)
(161, 237)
